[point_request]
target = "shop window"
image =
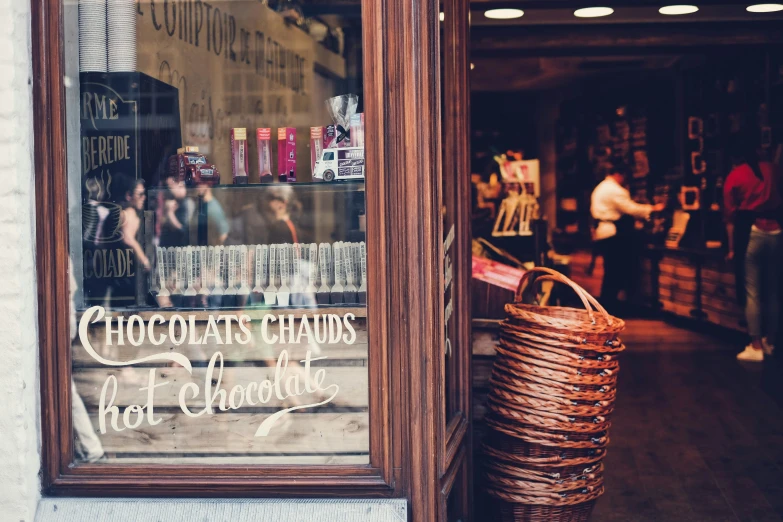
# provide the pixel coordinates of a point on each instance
(217, 239)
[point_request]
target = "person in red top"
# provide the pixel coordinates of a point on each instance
(754, 207)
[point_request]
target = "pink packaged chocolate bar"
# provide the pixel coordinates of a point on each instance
(286, 154)
(264, 142)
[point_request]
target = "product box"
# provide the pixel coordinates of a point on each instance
(316, 145)
(330, 137)
(264, 142)
(357, 130)
(239, 160)
(286, 154)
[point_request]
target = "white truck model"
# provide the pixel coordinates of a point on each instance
(339, 164)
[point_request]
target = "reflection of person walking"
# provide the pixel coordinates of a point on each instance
(87, 445)
(614, 211)
(754, 212)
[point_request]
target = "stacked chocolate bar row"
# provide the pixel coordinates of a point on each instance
(298, 274)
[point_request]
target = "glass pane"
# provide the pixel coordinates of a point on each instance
(217, 232)
(453, 388)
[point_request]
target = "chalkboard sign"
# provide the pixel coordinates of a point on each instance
(129, 129)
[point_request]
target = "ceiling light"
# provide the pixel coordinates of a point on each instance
(504, 14)
(442, 16)
(765, 8)
(593, 12)
(472, 66)
(678, 9)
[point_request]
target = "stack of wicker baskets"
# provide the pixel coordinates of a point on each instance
(553, 390)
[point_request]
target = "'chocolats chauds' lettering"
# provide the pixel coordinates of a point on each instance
(281, 386)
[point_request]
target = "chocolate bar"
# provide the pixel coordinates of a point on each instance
(263, 140)
(239, 159)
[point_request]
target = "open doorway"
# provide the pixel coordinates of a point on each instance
(557, 103)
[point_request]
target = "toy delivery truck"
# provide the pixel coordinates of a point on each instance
(340, 164)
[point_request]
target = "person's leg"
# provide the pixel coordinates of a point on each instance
(613, 272)
(772, 288)
(87, 445)
(593, 258)
(628, 258)
(754, 267)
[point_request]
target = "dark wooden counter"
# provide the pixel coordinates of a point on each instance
(694, 283)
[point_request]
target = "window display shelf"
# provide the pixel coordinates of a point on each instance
(211, 239)
(255, 314)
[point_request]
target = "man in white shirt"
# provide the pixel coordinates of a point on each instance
(614, 212)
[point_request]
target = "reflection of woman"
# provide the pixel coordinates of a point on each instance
(132, 207)
(280, 207)
(272, 218)
(754, 208)
(176, 214)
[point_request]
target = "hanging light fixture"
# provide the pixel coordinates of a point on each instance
(593, 12)
(765, 8)
(504, 14)
(678, 9)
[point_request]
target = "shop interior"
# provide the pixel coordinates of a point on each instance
(556, 99)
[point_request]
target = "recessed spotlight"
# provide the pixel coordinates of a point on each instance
(678, 9)
(504, 14)
(593, 12)
(442, 16)
(765, 8)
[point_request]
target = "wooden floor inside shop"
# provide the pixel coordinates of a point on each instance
(696, 435)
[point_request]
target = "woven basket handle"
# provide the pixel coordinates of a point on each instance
(590, 303)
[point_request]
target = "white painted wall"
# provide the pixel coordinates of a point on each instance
(19, 387)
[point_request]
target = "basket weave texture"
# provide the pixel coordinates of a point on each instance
(553, 388)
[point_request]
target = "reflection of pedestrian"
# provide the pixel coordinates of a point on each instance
(754, 212)
(132, 207)
(175, 215)
(614, 212)
(281, 208)
(212, 225)
(87, 445)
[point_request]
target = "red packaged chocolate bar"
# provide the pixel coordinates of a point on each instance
(263, 141)
(286, 154)
(239, 160)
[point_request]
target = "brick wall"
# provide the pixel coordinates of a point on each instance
(19, 387)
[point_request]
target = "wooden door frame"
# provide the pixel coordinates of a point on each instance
(455, 434)
(403, 223)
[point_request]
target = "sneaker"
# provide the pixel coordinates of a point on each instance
(750, 354)
(768, 347)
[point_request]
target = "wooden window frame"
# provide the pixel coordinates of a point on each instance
(60, 476)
